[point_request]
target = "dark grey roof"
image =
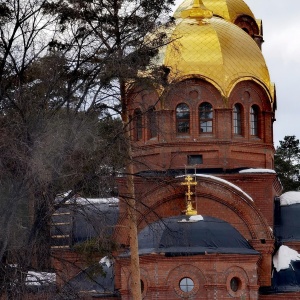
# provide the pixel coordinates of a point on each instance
(287, 222)
(92, 281)
(285, 281)
(172, 237)
(80, 222)
(94, 220)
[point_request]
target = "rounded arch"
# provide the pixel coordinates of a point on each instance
(220, 194)
(256, 86)
(248, 24)
(193, 91)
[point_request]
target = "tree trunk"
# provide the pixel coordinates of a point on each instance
(131, 204)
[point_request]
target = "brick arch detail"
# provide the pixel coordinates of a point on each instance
(223, 194)
(261, 97)
(207, 92)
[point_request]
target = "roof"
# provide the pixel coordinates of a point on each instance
(83, 219)
(217, 51)
(93, 281)
(285, 281)
(287, 222)
(179, 236)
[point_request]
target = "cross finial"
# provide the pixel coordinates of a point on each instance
(190, 211)
(197, 11)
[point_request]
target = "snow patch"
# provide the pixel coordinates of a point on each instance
(290, 198)
(106, 261)
(283, 258)
(196, 218)
(191, 219)
(40, 278)
(257, 171)
(87, 201)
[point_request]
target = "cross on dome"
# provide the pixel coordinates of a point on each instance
(190, 211)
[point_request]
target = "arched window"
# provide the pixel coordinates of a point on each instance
(138, 125)
(152, 122)
(254, 120)
(206, 117)
(182, 118)
(237, 119)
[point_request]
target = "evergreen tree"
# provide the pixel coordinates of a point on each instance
(287, 163)
(119, 38)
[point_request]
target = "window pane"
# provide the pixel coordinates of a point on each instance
(138, 125)
(195, 160)
(237, 120)
(254, 121)
(152, 122)
(206, 117)
(182, 118)
(186, 284)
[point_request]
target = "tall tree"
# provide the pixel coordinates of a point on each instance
(121, 38)
(48, 143)
(287, 163)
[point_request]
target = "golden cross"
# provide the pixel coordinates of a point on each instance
(189, 182)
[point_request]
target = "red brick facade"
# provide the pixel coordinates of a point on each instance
(211, 275)
(245, 200)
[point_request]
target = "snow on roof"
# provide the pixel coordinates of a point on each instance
(40, 278)
(224, 181)
(196, 218)
(290, 198)
(283, 258)
(85, 201)
(257, 171)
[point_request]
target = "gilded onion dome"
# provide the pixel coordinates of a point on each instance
(214, 49)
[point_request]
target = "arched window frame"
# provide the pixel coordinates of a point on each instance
(206, 118)
(183, 117)
(254, 121)
(152, 122)
(237, 119)
(138, 124)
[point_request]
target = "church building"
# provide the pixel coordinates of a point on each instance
(204, 162)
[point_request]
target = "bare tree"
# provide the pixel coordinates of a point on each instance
(119, 32)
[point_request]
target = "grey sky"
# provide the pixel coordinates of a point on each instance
(281, 49)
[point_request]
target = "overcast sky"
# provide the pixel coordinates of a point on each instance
(281, 49)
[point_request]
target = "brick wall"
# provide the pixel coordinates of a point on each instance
(211, 276)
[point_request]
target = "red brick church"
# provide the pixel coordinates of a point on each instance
(206, 189)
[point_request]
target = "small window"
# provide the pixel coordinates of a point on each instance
(138, 125)
(142, 286)
(206, 117)
(186, 284)
(152, 122)
(254, 120)
(235, 284)
(182, 119)
(195, 160)
(237, 119)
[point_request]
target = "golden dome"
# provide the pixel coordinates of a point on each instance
(215, 50)
(227, 9)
